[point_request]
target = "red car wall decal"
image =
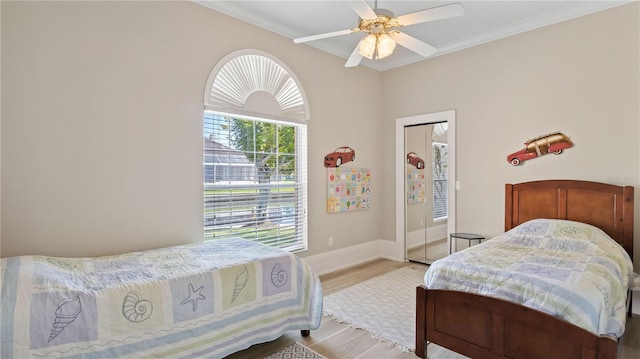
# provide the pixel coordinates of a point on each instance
(339, 156)
(555, 143)
(414, 160)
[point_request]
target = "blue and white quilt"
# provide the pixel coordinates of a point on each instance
(194, 301)
(571, 270)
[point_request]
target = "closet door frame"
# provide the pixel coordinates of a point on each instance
(444, 116)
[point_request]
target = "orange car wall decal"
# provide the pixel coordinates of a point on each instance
(339, 156)
(555, 143)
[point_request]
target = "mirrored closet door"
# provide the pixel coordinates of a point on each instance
(426, 192)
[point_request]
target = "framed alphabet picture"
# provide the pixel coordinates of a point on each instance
(348, 189)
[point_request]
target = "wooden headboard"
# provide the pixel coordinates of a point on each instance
(605, 206)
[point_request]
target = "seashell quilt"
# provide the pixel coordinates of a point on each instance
(570, 270)
(204, 300)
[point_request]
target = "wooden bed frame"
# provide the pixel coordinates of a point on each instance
(483, 327)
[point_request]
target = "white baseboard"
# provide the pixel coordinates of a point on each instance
(343, 258)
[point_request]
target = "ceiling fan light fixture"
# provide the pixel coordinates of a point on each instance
(386, 45)
(368, 46)
(376, 46)
(380, 26)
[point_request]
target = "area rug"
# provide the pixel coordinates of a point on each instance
(384, 306)
(296, 351)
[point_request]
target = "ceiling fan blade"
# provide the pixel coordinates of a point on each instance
(414, 44)
(364, 10)
(355, 58)
(324, 36)
(436, 13)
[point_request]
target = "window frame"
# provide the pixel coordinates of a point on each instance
(299, 186)
(230, 90)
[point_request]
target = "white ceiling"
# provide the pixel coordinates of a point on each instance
(484, 21)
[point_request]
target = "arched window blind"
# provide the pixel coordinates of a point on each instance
(255, 152)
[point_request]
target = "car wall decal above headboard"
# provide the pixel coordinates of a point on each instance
(555, 142)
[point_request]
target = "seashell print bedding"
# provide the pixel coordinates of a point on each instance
(204, 300)
(571, 270)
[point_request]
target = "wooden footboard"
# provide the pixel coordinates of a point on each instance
(483, 327)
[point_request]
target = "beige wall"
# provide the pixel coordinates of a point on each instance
(102, 125)
(101, 147)
(580, 77)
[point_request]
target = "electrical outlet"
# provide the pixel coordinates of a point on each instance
(330, 241)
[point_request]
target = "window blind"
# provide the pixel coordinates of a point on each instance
(255, 184)
(440, 181)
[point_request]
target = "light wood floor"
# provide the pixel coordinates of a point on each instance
(339, 341)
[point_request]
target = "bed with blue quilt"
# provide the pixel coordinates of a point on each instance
(556, 284)
(204, 300)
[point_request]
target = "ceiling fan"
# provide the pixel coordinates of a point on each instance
(381, 24)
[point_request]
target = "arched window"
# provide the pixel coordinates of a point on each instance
(255, 152)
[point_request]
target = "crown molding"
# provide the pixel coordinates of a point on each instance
(239, 11)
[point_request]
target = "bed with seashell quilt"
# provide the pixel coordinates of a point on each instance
(567, 248)
(203, 300)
